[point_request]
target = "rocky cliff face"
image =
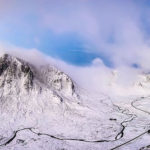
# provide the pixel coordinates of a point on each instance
(57, 80)
(16, 72)
(12, 69)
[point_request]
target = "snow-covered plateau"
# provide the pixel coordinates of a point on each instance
(41, 108)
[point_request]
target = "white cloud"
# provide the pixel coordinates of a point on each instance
(114, 28)
(95, 78)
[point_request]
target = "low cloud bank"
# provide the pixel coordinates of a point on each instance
(96, 77)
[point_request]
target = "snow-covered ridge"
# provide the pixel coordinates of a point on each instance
(12, 68)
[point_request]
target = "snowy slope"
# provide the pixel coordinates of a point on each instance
(41, 108)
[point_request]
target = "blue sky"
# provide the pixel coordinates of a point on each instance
(68, 46)
(80, 31)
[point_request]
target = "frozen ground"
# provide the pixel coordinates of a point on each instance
(42, 109)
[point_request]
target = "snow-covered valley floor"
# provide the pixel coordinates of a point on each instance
(125, 127)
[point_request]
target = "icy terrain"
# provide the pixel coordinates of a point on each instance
(41, 108)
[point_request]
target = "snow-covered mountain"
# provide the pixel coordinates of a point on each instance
(20, 82)
(42, 108)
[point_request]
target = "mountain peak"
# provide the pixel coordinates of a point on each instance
(12, 68)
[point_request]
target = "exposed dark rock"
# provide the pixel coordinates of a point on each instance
(113, 119)
(25, 68)
(20, 141)
(15, 71)
(4, 63)
(29, 81)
